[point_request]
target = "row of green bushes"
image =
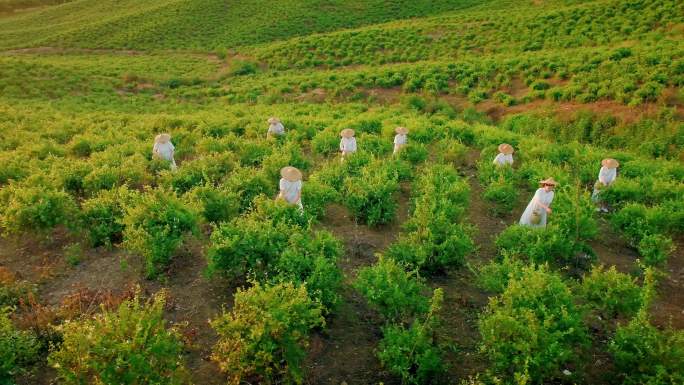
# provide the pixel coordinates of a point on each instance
(538, 326)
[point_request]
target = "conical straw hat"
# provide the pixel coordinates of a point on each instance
(291, 173)
(162, 138)
(401, 130)
(347, 133)
(505, 148)
(273, 120)
(610, 163)
(549, 181)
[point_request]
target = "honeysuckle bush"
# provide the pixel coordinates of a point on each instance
(534, 327)
(274, 243)
(395, 293)
(433, 240)
(371, 195)
(536, 245)
(217, 204)
(413, 353)
(611, 293)
(311, 260)
(645, 354)
(18, 349)
(129, 345)
(36, 209)
(265, 335)
(495, 275)
(156, 226)
(103, 215)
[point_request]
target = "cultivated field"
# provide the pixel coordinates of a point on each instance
(405, 268)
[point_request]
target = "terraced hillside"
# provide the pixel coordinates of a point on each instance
(402, 268)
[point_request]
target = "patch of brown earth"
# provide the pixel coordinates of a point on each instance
(344, 351)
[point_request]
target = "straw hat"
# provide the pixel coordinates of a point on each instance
(347, 133)
(401, 130)
(610, 163)
(162, 138)
(549, 181)
(291, 173)
(273, 120)
(505, 148)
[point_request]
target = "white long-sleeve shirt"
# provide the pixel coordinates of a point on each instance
(607, 175)
(290, 190)
(276, 129)
(348, 144)
(503, 159)
(400, 139)
(165, 150)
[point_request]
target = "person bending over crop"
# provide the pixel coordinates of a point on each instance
(275, 127)
(538, 209)
(400, 139)
(606, 177)
(164, 149)
(291, 186)
(348, 142)
(505, 157)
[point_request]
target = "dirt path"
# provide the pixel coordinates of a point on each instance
(344, 352)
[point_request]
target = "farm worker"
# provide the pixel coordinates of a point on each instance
(400, 138)
(291, 186)
(505, 156)
(164, 149)
(348, 142)
(275, 127)
(606, 177)
(538, 209)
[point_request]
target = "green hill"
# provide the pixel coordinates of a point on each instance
(96, 215)
(201, 24)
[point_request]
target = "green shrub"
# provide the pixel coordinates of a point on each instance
(537, 245)
(503, 194)
(216, 204)
(311, 259)
(656, 249)
(376, 145)
(155, 227)
(103, 215)
(574, 214)
(266, 334)
(210, 169)
(435, 248)
(636, 221)
(610, 292)
(532, 326)
(246, 245)
(451, 151)
(131, 345)
(18, 349)
(243, 67)
(325, 143)
(495, 275)
(35, 209)
(398, 295)
(279, 211)
(645, 355)
(414, 153)
(433, 240)
(289, 155)
(370, 196)
(316, 196)
(249, 184)
(413, 353)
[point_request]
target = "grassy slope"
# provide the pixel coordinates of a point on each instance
(201, 24)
